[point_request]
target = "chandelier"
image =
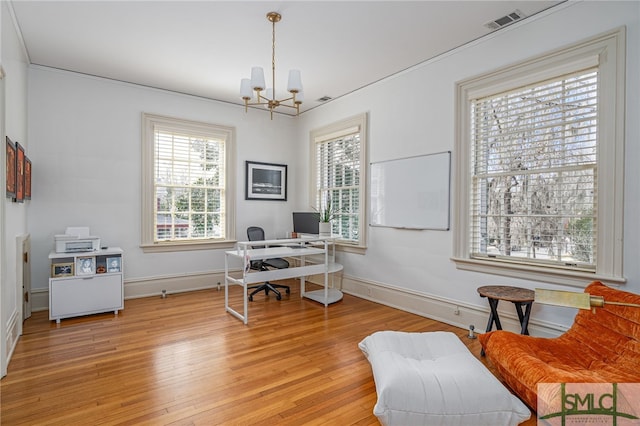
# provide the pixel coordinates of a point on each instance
(256, 83)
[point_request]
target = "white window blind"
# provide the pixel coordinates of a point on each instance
(534, 153)
(189, 185)
(338, 179)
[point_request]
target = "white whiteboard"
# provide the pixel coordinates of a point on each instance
(411, 192)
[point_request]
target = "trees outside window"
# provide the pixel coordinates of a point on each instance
(534, 156)
(338, 178)
(539, 162)
(188, 194)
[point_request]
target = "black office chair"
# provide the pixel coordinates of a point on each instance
(255, 233)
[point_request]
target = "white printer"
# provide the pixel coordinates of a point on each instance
(76, 239)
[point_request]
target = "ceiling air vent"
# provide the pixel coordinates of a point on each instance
(325, 98)
(514, 16)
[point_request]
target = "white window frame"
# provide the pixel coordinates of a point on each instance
(607, 51)
(148, 243)
(345, 127)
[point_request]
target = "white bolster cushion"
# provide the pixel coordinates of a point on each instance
(433, 379)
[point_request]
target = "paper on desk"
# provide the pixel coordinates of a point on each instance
(78, 231)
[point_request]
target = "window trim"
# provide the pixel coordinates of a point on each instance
(608, 52)
(332, 131)
(148, 245)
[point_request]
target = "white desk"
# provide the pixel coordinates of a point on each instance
(298, 248)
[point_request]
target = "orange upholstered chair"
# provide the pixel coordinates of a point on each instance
(599, 347)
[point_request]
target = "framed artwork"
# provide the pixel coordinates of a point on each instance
(113, 264)
(85, 265)
(27, 178)
(62, 269)
(19, 173)
(11, 168)
(265, 181)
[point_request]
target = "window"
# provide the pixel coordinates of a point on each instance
(540, 167)
(188, 191)
(533, 187)
(338, 174)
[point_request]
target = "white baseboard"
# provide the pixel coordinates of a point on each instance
(39, 299)
(449, 311)
(153, 286)
(441, 309)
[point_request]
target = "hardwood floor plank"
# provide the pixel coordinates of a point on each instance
(184, 361)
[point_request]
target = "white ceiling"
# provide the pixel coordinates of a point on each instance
(204, 48)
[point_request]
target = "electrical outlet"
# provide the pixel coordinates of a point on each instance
(456, 311)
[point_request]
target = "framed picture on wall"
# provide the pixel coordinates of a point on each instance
(19, 173)
(27, 178)
(11, 168)
(266, 181)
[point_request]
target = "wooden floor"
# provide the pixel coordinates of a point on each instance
(184, 361)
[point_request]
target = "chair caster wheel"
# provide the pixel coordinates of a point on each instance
(288, 291)
(278, 297)
(250, 298)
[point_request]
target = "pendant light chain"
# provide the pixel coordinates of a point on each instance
(254, 91)
(273, 61)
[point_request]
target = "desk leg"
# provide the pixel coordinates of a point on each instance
(245, 317)
(523, 317)
(303, 262)
(226, 283)
(326, 274)
(326, 287)
(245, 299)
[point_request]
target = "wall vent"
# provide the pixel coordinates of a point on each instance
(514, 16)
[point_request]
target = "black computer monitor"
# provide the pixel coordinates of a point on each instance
(305, 222)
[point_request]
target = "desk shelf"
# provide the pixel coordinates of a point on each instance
(332, 295)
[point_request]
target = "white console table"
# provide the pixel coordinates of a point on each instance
(297, 248)
(73, 292)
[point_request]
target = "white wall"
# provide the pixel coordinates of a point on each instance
(413, 113)
(85, 143)
(13, 215)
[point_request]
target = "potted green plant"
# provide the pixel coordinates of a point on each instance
(326, 214)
